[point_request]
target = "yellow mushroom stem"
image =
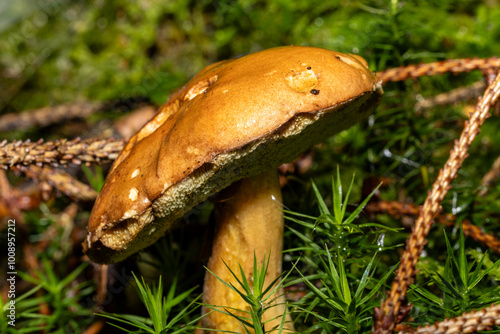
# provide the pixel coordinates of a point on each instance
(249, 223)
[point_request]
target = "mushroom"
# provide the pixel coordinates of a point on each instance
(236, 120)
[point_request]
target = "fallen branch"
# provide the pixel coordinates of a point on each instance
(59, 152)
(472, 322)
(440, 67)
(49, 115)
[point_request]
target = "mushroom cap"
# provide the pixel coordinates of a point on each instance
(234, 119)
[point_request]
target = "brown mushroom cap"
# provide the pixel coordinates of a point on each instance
(233, 120)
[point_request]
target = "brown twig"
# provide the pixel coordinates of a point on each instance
(58, 152)
(393, 208)
(490, 177)
(397, 210)
(471, 322)
(452, 65)
(481, 236)
(48, 115)
(386, 315)
(62, 181)
(451, 97)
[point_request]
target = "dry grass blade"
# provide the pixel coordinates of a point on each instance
(59, 152)
(471, 322)
(452, 65)
(385, 317)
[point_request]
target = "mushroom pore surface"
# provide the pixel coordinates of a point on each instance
(234, 119)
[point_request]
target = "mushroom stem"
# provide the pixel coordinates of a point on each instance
(249, 223)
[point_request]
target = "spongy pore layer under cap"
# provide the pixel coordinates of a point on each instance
(234, 119)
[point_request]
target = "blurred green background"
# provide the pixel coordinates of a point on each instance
(57, 51)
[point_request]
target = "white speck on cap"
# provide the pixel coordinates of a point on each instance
(136, 172)
(133, 194)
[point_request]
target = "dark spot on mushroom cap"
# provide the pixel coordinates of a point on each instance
(338, 57)
(308, 67)
(314, 91)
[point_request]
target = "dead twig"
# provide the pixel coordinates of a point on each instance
(49, 115)
(452, 97)
(490, 177)
(397, 210)
(441, 67)
(62, 181)
(58, 152)
(471, 322)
